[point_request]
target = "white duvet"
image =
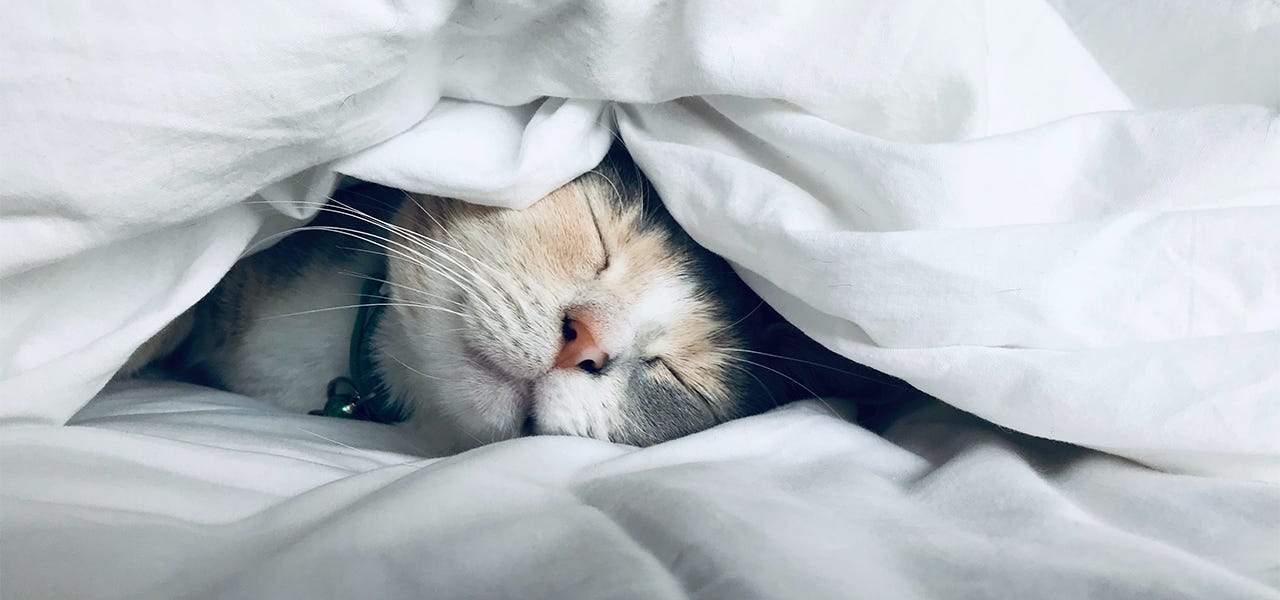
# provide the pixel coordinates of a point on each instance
(161, 491)
(1062, 217)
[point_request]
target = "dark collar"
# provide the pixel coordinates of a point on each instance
(356, 396)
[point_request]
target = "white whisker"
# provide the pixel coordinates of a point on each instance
(764, 387)
(339, 208)
(405, 365)
(735, 323)
(817, 364)
(401, 286)
(790, 378)
(328, 439)
(433, 265)
(351, 306)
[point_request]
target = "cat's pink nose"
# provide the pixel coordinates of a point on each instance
(581, 350)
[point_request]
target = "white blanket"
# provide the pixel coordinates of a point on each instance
(174, 492)
(1060, 216)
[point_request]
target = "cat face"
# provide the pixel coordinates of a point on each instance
(590, 313)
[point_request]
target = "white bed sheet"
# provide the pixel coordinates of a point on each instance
(164, 491)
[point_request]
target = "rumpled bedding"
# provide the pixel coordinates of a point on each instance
(1057, 217)
(186, 492)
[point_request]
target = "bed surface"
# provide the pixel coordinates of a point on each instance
(164, 490)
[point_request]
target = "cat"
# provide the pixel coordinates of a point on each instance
(590, 313)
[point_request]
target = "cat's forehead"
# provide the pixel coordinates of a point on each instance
(651, 267)
(657, 302)
(593, 241)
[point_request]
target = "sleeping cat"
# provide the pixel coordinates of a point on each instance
(590, 313)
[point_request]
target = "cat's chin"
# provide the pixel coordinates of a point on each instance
(455, 402)
(490, 406)
(574, 403)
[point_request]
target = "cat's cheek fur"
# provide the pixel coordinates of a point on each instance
(453, 405)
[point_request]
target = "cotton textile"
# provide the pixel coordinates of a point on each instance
(1059, 216)
(170, 491)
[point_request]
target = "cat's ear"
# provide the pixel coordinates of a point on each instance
(801, 368)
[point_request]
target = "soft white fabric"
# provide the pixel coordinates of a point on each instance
(1060, 216)
(1029, 210)
(168, 491)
